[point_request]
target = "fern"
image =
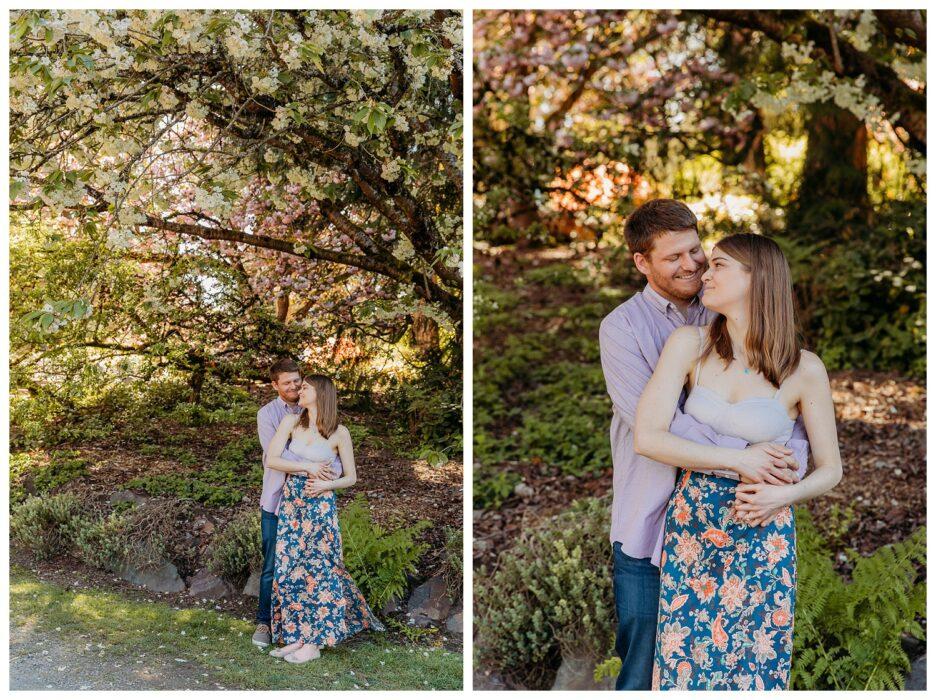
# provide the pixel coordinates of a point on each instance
(847, 634)
(378, 560)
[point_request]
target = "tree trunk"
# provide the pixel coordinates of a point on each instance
(282, 307)
(833, 192)
(425, 334)
(196, 381)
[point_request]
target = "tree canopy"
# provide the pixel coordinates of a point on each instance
(197, 186)
(587, 109)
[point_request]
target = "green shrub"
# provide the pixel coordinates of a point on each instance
(847, 633)
(378, 559)
(188, 485)
(64, 467)
(549, 596)
(236, 469)
(43, 525)
(565, 422)
(237, 549)
(561, 274)
(142, 536)
(431, 408)
(21, 463)
(863, 296)
(454, 564)
(490, 491)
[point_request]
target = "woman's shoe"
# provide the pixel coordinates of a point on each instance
(301, 655)
(283, 651)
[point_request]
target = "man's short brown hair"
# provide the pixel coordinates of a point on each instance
(654, 218)
(282, 366)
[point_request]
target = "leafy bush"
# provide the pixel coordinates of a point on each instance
(454, 564)
(43, 525)
(847, 633)
(237, 549)
(564, 422)
(189, 486)
(64, 467)
(561, 274)
(238, 467)
(490, 491)
(89, 407)
(549, 596)
(142, 536)
(863, 297)
(377, 559)
(432, 406)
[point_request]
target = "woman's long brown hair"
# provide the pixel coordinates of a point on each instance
(326, 404)
(772, 343)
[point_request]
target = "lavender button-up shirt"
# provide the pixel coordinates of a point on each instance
(632, 338)
(268, 419)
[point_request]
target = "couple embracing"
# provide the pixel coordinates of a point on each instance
(716, 408)
(307, 598)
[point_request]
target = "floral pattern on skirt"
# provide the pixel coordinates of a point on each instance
(727, 593)
(314, 598)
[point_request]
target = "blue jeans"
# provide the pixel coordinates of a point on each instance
(268, 522)
(636, 599)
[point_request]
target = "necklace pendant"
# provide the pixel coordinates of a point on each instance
(747, 371)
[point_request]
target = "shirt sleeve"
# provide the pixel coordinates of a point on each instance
(799, 443)
(626, 370)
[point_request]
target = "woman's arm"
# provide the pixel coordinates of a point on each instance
(349, 476)
(278, 444)
(659, 400)
(758, 501)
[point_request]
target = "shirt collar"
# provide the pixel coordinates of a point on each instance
(663, 305)
(286, 407)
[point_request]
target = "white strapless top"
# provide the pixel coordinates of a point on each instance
(318, 451)
(759, 419)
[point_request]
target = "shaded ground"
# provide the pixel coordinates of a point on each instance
(881, 425)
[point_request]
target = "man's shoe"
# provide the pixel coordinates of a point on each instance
(262, 636)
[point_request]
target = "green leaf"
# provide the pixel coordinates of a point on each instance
(361, 114)
(16, 188)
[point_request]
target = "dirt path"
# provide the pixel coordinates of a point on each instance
(48, 661)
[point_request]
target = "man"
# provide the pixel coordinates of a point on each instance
(286, 380)
(662, 235)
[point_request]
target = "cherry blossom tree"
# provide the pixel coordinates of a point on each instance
(565, 99)
(303, 148)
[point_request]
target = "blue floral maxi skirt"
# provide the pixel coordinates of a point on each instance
(314, 598)
(727, 593)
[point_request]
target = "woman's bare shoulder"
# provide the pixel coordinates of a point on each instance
(290, 419)
(811, 374)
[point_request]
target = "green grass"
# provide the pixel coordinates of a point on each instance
(219, 644)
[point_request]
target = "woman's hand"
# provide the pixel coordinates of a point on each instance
(323, 472)
(317, 487)
(757, 504)
(766, 462)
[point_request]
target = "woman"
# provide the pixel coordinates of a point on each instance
(728, 566)
(315, 602)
